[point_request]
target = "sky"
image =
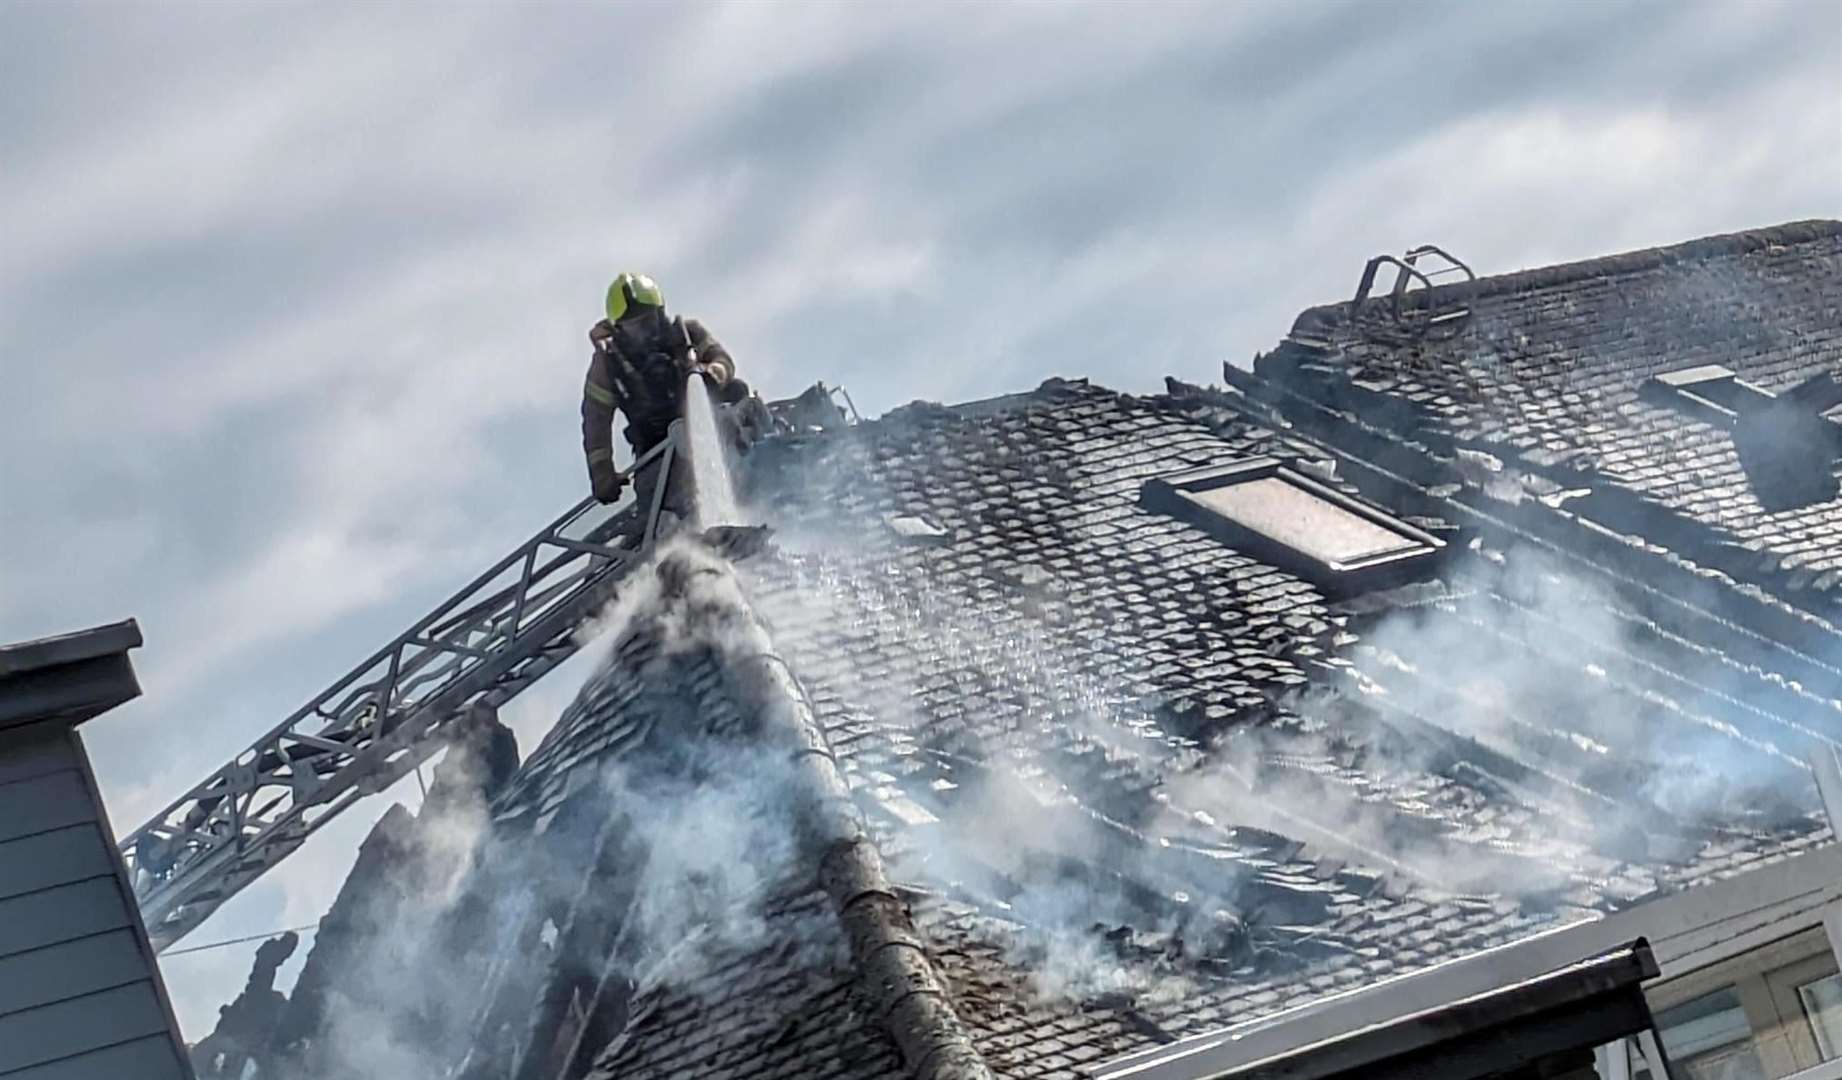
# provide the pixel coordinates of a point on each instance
(293, 298)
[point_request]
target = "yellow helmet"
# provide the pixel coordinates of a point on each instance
(631, 294)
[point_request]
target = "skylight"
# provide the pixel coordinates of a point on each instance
(1290, 520)
(1710, 392)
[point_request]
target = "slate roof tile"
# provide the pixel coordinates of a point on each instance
(1555, 358)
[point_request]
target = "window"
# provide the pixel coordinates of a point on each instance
(1709, 1039)
(1709, 392)
(1293, 521)
(1822, 1001)
(1807, 996)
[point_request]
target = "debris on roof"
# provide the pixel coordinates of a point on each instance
(1568, 360)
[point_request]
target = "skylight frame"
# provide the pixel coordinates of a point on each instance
(1712, 393)
(1184, 496)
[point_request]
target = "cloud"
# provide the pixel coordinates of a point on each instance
(292, 299)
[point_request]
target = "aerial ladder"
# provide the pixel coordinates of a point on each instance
(387, 716)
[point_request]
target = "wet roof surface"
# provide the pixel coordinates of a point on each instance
(1138, 780)
(1144, 785)
(1549, 372)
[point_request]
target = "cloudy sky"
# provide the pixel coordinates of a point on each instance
(292, 299)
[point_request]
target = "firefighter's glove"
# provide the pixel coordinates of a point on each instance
(607, 485)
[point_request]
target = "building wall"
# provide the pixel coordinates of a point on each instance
(1740, 1018)
(79, 994)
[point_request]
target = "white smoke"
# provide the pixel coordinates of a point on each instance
(1017, 839)
(397, 978)
(720, 859)
(713, 811)
(1550, 680)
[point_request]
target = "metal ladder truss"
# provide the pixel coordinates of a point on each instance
(485, 644)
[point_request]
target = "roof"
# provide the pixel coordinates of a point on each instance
(990, 624)
(71, 677)
(1685, 931)
(69, 648)
(1123, 659)
(1561, 374)
(1130, 783)
(1126, 777)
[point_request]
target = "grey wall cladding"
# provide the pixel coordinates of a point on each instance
(77, 997)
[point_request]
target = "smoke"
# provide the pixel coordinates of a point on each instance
(378, 991)
(710, 808)
(1524, 733)
(357, 1042)
(720, 860)
(1520, 732)
(1031, 782)
(1089, 887)
(661, 863)
(1599, 739)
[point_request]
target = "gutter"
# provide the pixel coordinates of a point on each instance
(1495, 1030)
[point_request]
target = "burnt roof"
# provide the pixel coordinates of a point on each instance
(1135, 779)
(1043, 646)
(1550, 370)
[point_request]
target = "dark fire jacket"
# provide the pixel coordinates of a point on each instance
(647, 386)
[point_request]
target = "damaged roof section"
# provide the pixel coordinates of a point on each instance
(1132, 761)
(1682, 396)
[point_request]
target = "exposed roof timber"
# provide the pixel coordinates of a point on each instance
(1799, 640)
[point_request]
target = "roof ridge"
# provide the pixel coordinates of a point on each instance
(1808, 230)
(889, 958)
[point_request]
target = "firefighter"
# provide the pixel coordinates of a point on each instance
(642, 358)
